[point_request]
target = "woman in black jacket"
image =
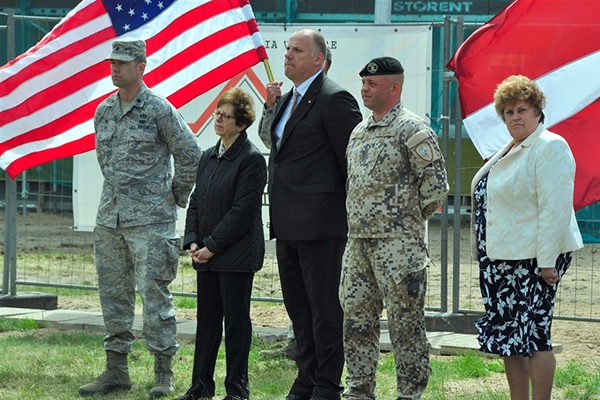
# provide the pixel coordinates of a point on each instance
(224, 234)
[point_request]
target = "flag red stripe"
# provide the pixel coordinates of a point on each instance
(517, 39)
(218, 75)
(55, 127)
(32, 160)
(78, 18)
(580, 132)
(195, 52)
(55, 93)
(186, 21)
(54, 60)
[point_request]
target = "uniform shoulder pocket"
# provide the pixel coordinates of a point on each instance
(424, 145)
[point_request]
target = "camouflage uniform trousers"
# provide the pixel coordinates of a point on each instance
(146, 256)
(374, 271)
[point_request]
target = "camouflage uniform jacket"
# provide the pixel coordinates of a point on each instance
(396, 177)
(148, 156)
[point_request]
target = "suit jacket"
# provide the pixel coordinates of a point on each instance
(530, 200)
(307, 172)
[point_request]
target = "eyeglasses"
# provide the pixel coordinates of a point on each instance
(223, 116)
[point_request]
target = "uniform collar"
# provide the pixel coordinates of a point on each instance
(138, 101)
(387, 119)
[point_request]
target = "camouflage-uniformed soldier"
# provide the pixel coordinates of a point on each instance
(396, 180)
(149, 157)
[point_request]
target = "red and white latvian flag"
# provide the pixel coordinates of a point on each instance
(49, 94)
(556, 43)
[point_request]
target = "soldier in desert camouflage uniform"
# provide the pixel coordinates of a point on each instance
(396, 180)
(148, 156)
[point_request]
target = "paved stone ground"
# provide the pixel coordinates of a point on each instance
(442, 343)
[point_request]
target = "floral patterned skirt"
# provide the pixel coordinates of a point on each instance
(519, 306)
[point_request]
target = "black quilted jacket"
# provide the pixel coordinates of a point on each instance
(225, 208)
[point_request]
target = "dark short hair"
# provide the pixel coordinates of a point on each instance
(242, 103)
(519, 87)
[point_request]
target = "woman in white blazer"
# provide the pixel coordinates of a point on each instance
(524, 233)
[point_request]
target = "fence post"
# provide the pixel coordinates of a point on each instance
(445, 118)
(10, 194)
(457, 186)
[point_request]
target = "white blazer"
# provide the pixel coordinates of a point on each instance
(530, 201)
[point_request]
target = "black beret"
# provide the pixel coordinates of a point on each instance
(382, 66)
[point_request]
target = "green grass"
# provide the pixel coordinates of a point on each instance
(18, 325)
(578, 382)
(185, 302)
(470, 365)
(60, 292)
(48, 364)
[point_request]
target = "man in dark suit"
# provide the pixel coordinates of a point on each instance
(307, 174)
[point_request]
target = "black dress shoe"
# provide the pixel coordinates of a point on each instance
(292, 396)
(186, 397)
(189, 396)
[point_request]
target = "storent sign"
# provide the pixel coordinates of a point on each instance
(433, 7)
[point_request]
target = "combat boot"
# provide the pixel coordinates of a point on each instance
(163, 377)
(113, 379)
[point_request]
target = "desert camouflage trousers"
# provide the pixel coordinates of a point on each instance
(146, 257)
(372, 274)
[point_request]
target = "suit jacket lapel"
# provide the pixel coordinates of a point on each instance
(488, 165)
(306, 102)
(281, 106)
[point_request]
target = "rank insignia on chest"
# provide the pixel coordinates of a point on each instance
(385, 134)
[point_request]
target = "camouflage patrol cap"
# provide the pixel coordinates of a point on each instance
(382, 66)
(128, 50)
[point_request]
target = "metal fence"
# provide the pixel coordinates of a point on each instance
(51, 253)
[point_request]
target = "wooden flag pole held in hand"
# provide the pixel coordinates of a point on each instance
(268, 69)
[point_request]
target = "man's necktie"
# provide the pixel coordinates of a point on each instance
(295, 101)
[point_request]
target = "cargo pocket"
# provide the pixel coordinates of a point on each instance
(165, 260)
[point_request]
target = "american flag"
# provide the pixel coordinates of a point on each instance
(48, 95)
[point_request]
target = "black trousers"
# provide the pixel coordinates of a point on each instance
(222, 295)
(310, 277)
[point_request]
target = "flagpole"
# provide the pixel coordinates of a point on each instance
(268, 69)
